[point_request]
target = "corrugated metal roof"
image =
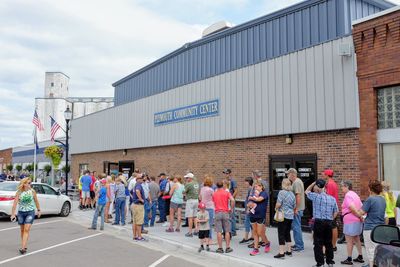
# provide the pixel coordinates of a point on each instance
(288, 30)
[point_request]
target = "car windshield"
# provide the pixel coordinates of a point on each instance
(8, 186)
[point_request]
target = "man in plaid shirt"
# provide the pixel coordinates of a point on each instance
(325, 209)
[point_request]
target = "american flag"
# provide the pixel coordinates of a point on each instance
(36, 121)
(54, 128)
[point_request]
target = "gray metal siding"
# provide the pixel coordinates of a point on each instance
(304, 25)
(311, 90)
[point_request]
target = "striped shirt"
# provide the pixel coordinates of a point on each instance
(324, 206)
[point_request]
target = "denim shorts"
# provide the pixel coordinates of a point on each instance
(26, 217)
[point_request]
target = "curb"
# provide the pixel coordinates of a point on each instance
(222, 259)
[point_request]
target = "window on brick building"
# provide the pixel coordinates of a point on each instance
(389, 107)
(83, 167)
(390, 164)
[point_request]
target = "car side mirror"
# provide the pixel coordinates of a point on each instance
(385, 234)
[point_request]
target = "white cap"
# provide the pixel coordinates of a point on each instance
(189, 175)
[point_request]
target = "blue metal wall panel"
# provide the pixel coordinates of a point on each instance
(301, 26)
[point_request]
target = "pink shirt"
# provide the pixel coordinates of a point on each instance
(206, 194)
(350, 198)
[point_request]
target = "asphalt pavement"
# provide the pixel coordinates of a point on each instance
(59, 242)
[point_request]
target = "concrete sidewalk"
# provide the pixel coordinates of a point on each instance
(240, 255)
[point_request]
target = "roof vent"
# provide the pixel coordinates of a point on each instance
(217, 27)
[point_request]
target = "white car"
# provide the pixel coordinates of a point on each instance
(51, 201)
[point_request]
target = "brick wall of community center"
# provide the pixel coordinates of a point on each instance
(337, 149)
(377, 45)
(5, 158)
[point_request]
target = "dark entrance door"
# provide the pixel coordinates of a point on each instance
(110, 167)
(306, 166)
(126, 168)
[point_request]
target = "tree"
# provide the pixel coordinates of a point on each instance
(9, 167)
(29, 167)
(65, 168)
(18, 168)
(47, 169)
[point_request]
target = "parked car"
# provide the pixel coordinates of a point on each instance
(51, 200)
(388, 252)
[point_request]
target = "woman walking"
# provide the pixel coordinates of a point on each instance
(247, 224)
(374, 207)
(205, 197)
(391, 210)
(352, 225)
(257, 219)
(176, 204)
(27, 203)
(286, 203)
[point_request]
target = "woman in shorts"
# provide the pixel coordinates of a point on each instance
(257, 219)
(27, 203)
(176, 194)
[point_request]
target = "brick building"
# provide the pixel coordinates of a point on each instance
(277, 92)
(5, 159)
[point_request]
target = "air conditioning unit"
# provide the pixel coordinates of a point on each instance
(345, 50)
(217, 27)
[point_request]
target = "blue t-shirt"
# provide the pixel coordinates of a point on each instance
(375, 207)
(102, 196)
(163, 185)
(135, 198)
(86, 181)
(261, 209)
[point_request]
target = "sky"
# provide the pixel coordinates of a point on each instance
(96, 42)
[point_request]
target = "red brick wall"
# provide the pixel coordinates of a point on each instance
(338, 149)
(5, 158)
(377, 44)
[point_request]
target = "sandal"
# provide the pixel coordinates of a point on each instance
(169, 230)
(22, 251)
(220, 250)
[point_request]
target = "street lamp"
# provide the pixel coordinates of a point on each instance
(67, 116)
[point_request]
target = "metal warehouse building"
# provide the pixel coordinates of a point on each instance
(277, 92)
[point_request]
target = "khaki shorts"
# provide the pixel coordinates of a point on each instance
(222, 222)
(138, 214)
(191, 208)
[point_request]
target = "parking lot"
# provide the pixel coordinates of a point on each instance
(59, 242)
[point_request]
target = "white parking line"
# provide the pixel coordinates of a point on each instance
(17, 227)
(44, 249)
(158, 261)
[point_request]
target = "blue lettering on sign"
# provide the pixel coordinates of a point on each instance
(197, 111)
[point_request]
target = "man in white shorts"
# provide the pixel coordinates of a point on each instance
(192, 202)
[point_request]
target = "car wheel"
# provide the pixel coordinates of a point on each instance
(65, 210)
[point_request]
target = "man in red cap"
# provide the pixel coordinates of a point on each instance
(332, 190)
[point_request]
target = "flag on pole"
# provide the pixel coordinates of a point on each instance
(36, 121)
(54, 128)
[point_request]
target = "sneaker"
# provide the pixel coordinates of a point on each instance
(261, 244)
(208, 248)
(123, 224)
(189, 235)
(101, 229)
(91, 228)
(178, 230)
(145, 232)
(169, 230)
(200, 249)
(244, 241)
(279, 256)
(287, 253)
(220, 250)
(335, 249)
(233, 234)
(159, 221)
(251, 245)
(359, 259)
(115, 223)
(347, 262)
(254, 252)
(165, 224)
(196, 233)
(140, 239)
(267, 247)
(296, 249)
(227, 250)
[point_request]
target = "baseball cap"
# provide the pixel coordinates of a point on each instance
(161, 174)
(189, 175)
(202, 205)
(292, 170)
(227, 171)
(329, 172)
(103, 181)
(320, 183)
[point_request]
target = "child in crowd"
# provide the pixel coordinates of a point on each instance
(251, 204)
(203, 226)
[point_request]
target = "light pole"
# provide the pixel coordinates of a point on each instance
(67, 116)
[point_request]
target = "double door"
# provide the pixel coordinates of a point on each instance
(306, 166)
(124, 167)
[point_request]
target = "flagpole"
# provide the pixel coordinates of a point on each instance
(34, 158)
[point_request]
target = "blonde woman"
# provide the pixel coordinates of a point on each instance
(391, 211)
(108, 199)
(176, 194)
(27, 203)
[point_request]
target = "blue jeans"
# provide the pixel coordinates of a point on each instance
(297, 233)
(99, 210)
(120, 210)
(247, 224)
(153, 209)
(161, 209)
(146, 212)
(211, 220)
(233, 221)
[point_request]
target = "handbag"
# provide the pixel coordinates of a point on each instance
(279, 215)
(167, 196)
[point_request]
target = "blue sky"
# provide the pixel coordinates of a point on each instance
(95, 42)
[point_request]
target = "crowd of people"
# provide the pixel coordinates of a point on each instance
(210, 208)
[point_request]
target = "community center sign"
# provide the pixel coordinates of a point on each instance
(196, 111)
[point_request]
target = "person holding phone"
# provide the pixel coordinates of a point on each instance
(27, 201)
